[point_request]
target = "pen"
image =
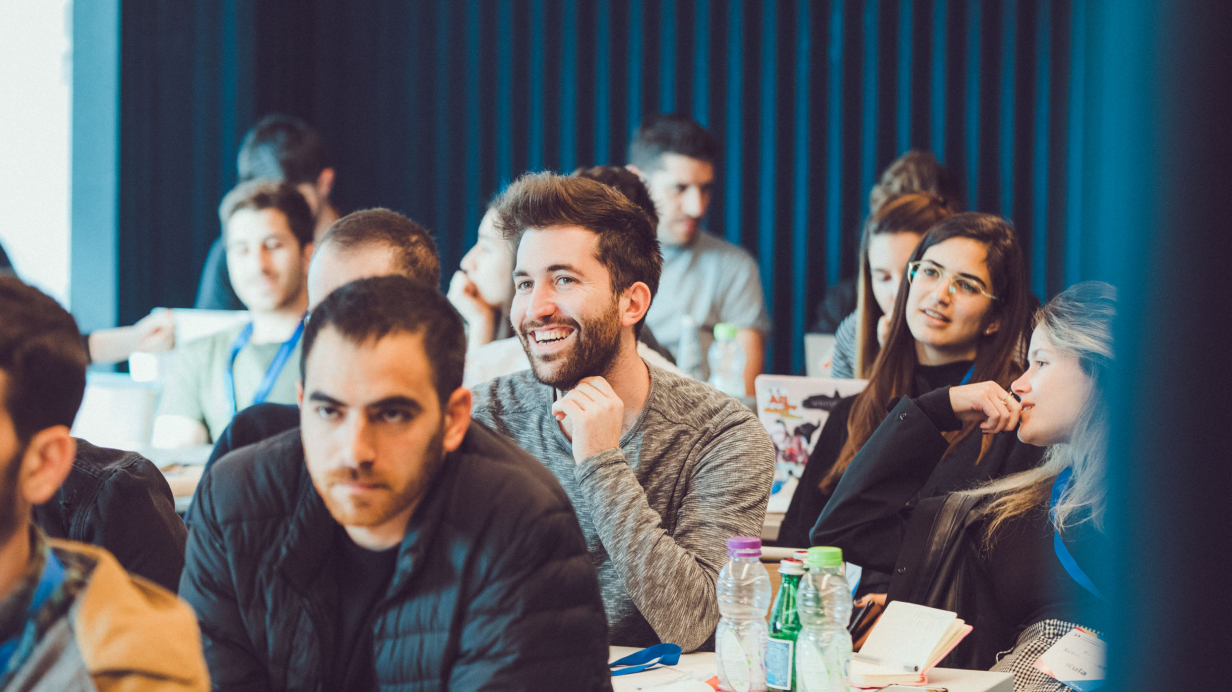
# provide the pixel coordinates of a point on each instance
(864, 658)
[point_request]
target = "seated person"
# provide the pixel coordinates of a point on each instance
(1000, 566)
(704, 277)
(961, 316)
(389, 540)
(120, 501)
(70, 617)
(483, 288)
(660, 469)
(283, 148)
(363, 244)
(890, 235)
(267, 228)
(914, 171)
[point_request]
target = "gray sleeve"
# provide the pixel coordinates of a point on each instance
(843, 365)
(671, 577)
(743, 303)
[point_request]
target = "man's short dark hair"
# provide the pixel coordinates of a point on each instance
(270, 194)
(671, 133)
(627, 182)
(371, 309)
(284, 148)
(417, 256)
(43, 358)
(628, 246)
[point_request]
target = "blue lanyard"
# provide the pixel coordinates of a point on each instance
(49, 581)
(967, 378)
(271, 374)
(659, 654)
(1063, 554)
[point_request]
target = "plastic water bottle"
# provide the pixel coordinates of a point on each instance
(784, 629)
(689, 352)
(726, 361)
(823, 647)
(744, 595)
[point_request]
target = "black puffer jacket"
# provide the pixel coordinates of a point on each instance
(120, 501)
(493, 587)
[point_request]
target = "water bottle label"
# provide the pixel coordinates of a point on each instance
(812, 673)
(736, 662)
(779, 660)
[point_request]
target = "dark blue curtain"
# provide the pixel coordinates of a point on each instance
(430, 107)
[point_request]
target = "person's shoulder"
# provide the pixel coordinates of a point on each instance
(495, 359)
(500, 478)
(256, 482)
(122, 622)
(684, 401)
(104, 462)
(712, 245)
(208, 346)
(497, 398)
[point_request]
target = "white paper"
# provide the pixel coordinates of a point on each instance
(906, 634)
(1077, 659)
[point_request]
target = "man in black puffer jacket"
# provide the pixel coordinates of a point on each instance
(390, 542)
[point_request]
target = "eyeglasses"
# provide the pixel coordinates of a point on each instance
(927, 274)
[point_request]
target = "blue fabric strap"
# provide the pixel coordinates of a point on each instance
(49, 581)
(271, 373)
(1063, 554)
(657, 655)
(970, 373)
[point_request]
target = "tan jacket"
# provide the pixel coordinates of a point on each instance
(122, 633)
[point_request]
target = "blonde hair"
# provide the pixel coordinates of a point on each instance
(1078, 322)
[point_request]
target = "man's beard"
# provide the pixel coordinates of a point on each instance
(596, 345)
(8, 495)
(395, 500)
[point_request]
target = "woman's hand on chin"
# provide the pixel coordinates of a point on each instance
(995, 409)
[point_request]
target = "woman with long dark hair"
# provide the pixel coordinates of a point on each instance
(890, 236)
(1010, 556)
(961, 315)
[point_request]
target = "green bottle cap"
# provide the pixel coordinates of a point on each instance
(725, 331)
(824, 556)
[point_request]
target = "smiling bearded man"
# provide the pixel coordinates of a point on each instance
(661, 469)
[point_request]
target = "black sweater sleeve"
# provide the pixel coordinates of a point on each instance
(868, 512)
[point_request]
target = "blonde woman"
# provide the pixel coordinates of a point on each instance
(1013, 556)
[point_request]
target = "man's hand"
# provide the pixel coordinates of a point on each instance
(155, 332)
(996, 409)
(480, 317)
(592, 414)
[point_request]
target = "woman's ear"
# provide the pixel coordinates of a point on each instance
(992, 327)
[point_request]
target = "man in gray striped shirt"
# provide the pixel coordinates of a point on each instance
(660, 469)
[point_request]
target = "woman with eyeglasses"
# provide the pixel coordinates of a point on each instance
(961, 316)
(890, 235)
(1013, 556)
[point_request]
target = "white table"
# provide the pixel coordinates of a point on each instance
(698, 667)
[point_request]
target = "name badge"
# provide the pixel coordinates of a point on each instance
(1077, 660)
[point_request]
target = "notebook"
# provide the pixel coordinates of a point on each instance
(907, 641)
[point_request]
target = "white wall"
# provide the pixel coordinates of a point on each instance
(35, 79)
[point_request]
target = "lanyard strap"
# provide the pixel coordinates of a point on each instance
(970, 373)
(659, 654)
(271, 373)
(1063, 554)
(50, 580)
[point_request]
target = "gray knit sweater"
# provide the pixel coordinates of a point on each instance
(694, 470)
